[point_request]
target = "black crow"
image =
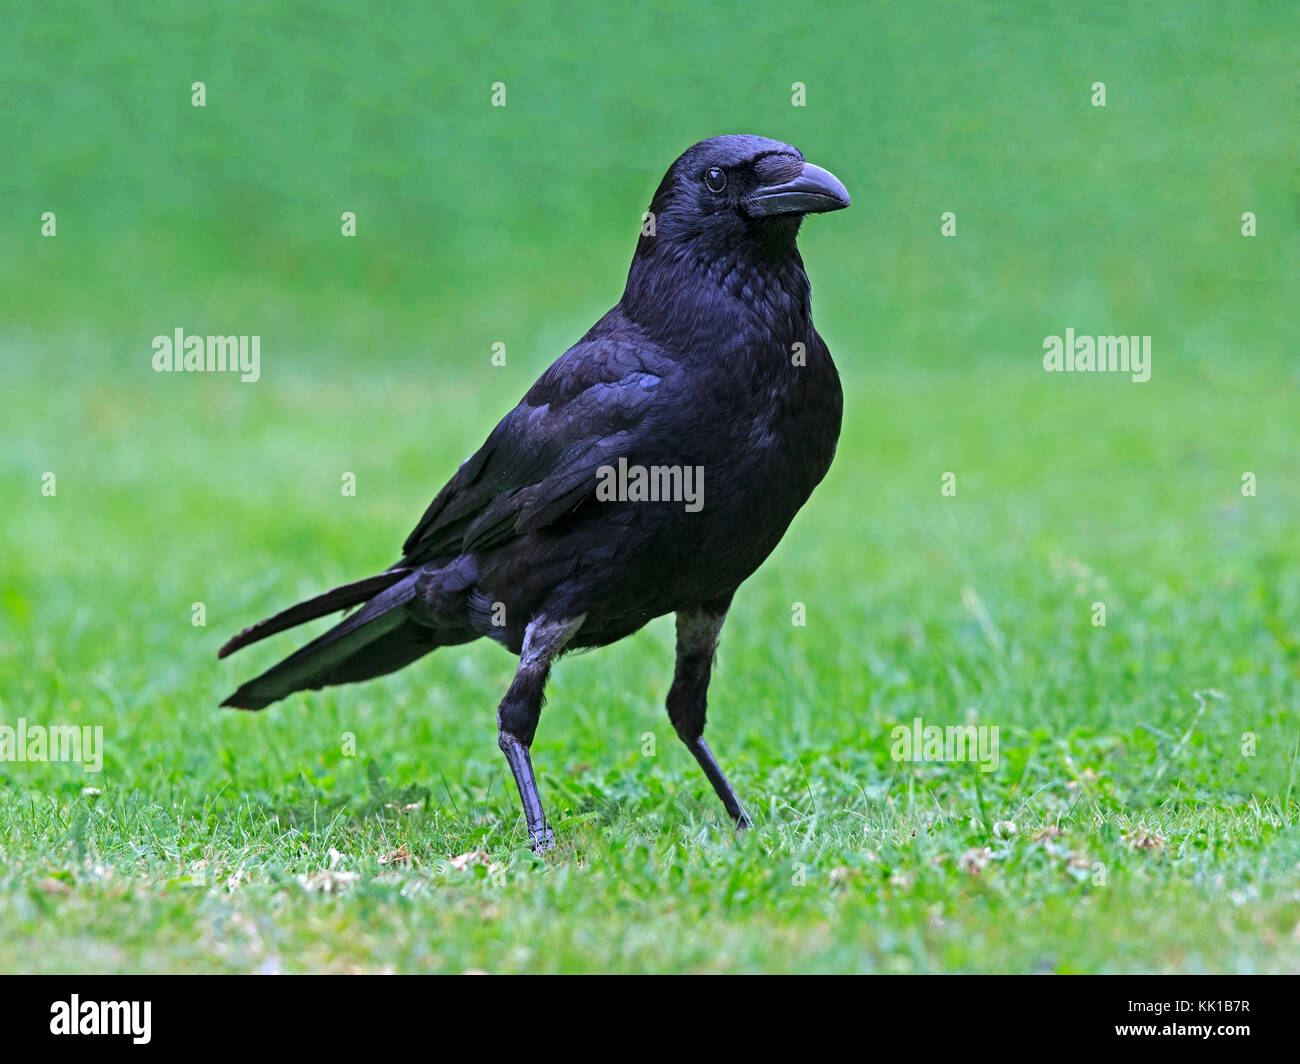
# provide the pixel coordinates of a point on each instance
(650, 469)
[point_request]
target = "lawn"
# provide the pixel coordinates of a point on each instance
(1141, 814)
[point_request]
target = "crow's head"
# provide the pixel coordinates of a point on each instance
(741, 188)
(723, 225)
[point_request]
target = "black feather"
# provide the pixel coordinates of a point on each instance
(709, 360)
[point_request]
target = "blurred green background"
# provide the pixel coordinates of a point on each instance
(480, 222)
(479, 225)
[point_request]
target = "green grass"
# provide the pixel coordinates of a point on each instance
(1149, 766)
(209, 844)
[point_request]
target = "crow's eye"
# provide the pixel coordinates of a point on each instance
(715, 179)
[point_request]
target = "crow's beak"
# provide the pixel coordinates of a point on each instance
(815, 190)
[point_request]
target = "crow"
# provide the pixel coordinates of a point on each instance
(650, 470)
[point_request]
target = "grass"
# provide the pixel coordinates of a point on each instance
(1149, 766)
(1144, 839)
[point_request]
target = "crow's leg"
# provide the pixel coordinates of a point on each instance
(519, 711)
(697, 639)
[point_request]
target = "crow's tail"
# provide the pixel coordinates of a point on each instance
(378, 638)
(339, 598)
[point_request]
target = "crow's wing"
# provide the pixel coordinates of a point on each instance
(598, 401)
